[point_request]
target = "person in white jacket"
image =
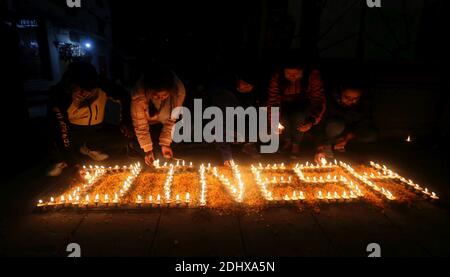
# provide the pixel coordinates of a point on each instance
(156, 95)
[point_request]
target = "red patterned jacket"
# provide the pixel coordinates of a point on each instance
(314, 92)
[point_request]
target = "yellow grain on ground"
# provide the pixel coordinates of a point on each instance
(146, 185)
(109, 185)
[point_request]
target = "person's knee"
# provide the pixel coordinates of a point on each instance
(334, 129)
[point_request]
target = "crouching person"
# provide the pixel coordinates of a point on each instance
(240, 91)
(348, 118)
(156, 95)
(76, 113)
(299, 92)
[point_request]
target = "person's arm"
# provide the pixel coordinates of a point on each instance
(59, 121)
(139, 110)
(274, 94)
(165, 139)
(317, 98)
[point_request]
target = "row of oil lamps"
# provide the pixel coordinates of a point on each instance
(236, 188)
(80, 196)
(354, 191)
(385, 171)
(380, 190)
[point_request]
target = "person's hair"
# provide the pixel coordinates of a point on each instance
(353, 84)
(81, 74)
(295, 64)
(159, 79)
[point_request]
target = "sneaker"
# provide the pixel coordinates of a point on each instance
(94, 155)
(57, 169)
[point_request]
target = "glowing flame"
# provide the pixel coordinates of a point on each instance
(320, 195)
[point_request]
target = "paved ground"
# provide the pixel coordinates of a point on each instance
(343, 230)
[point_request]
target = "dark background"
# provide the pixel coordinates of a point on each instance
(399, 50)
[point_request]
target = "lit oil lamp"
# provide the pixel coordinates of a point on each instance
(158, 199)
(301, 196)
(320, 195)
(41, 203)
(87, 200)
(139, 200)
(106, 199)
(76, 202)
(52, 201)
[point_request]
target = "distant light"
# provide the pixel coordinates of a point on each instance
(88, 45)
(409, 139)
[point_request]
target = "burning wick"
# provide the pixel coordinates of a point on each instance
(158, 199)
(408, 139)
(139, 199)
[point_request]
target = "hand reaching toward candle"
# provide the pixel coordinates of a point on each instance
(167, 152)
(320, 156)
(149, 158)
